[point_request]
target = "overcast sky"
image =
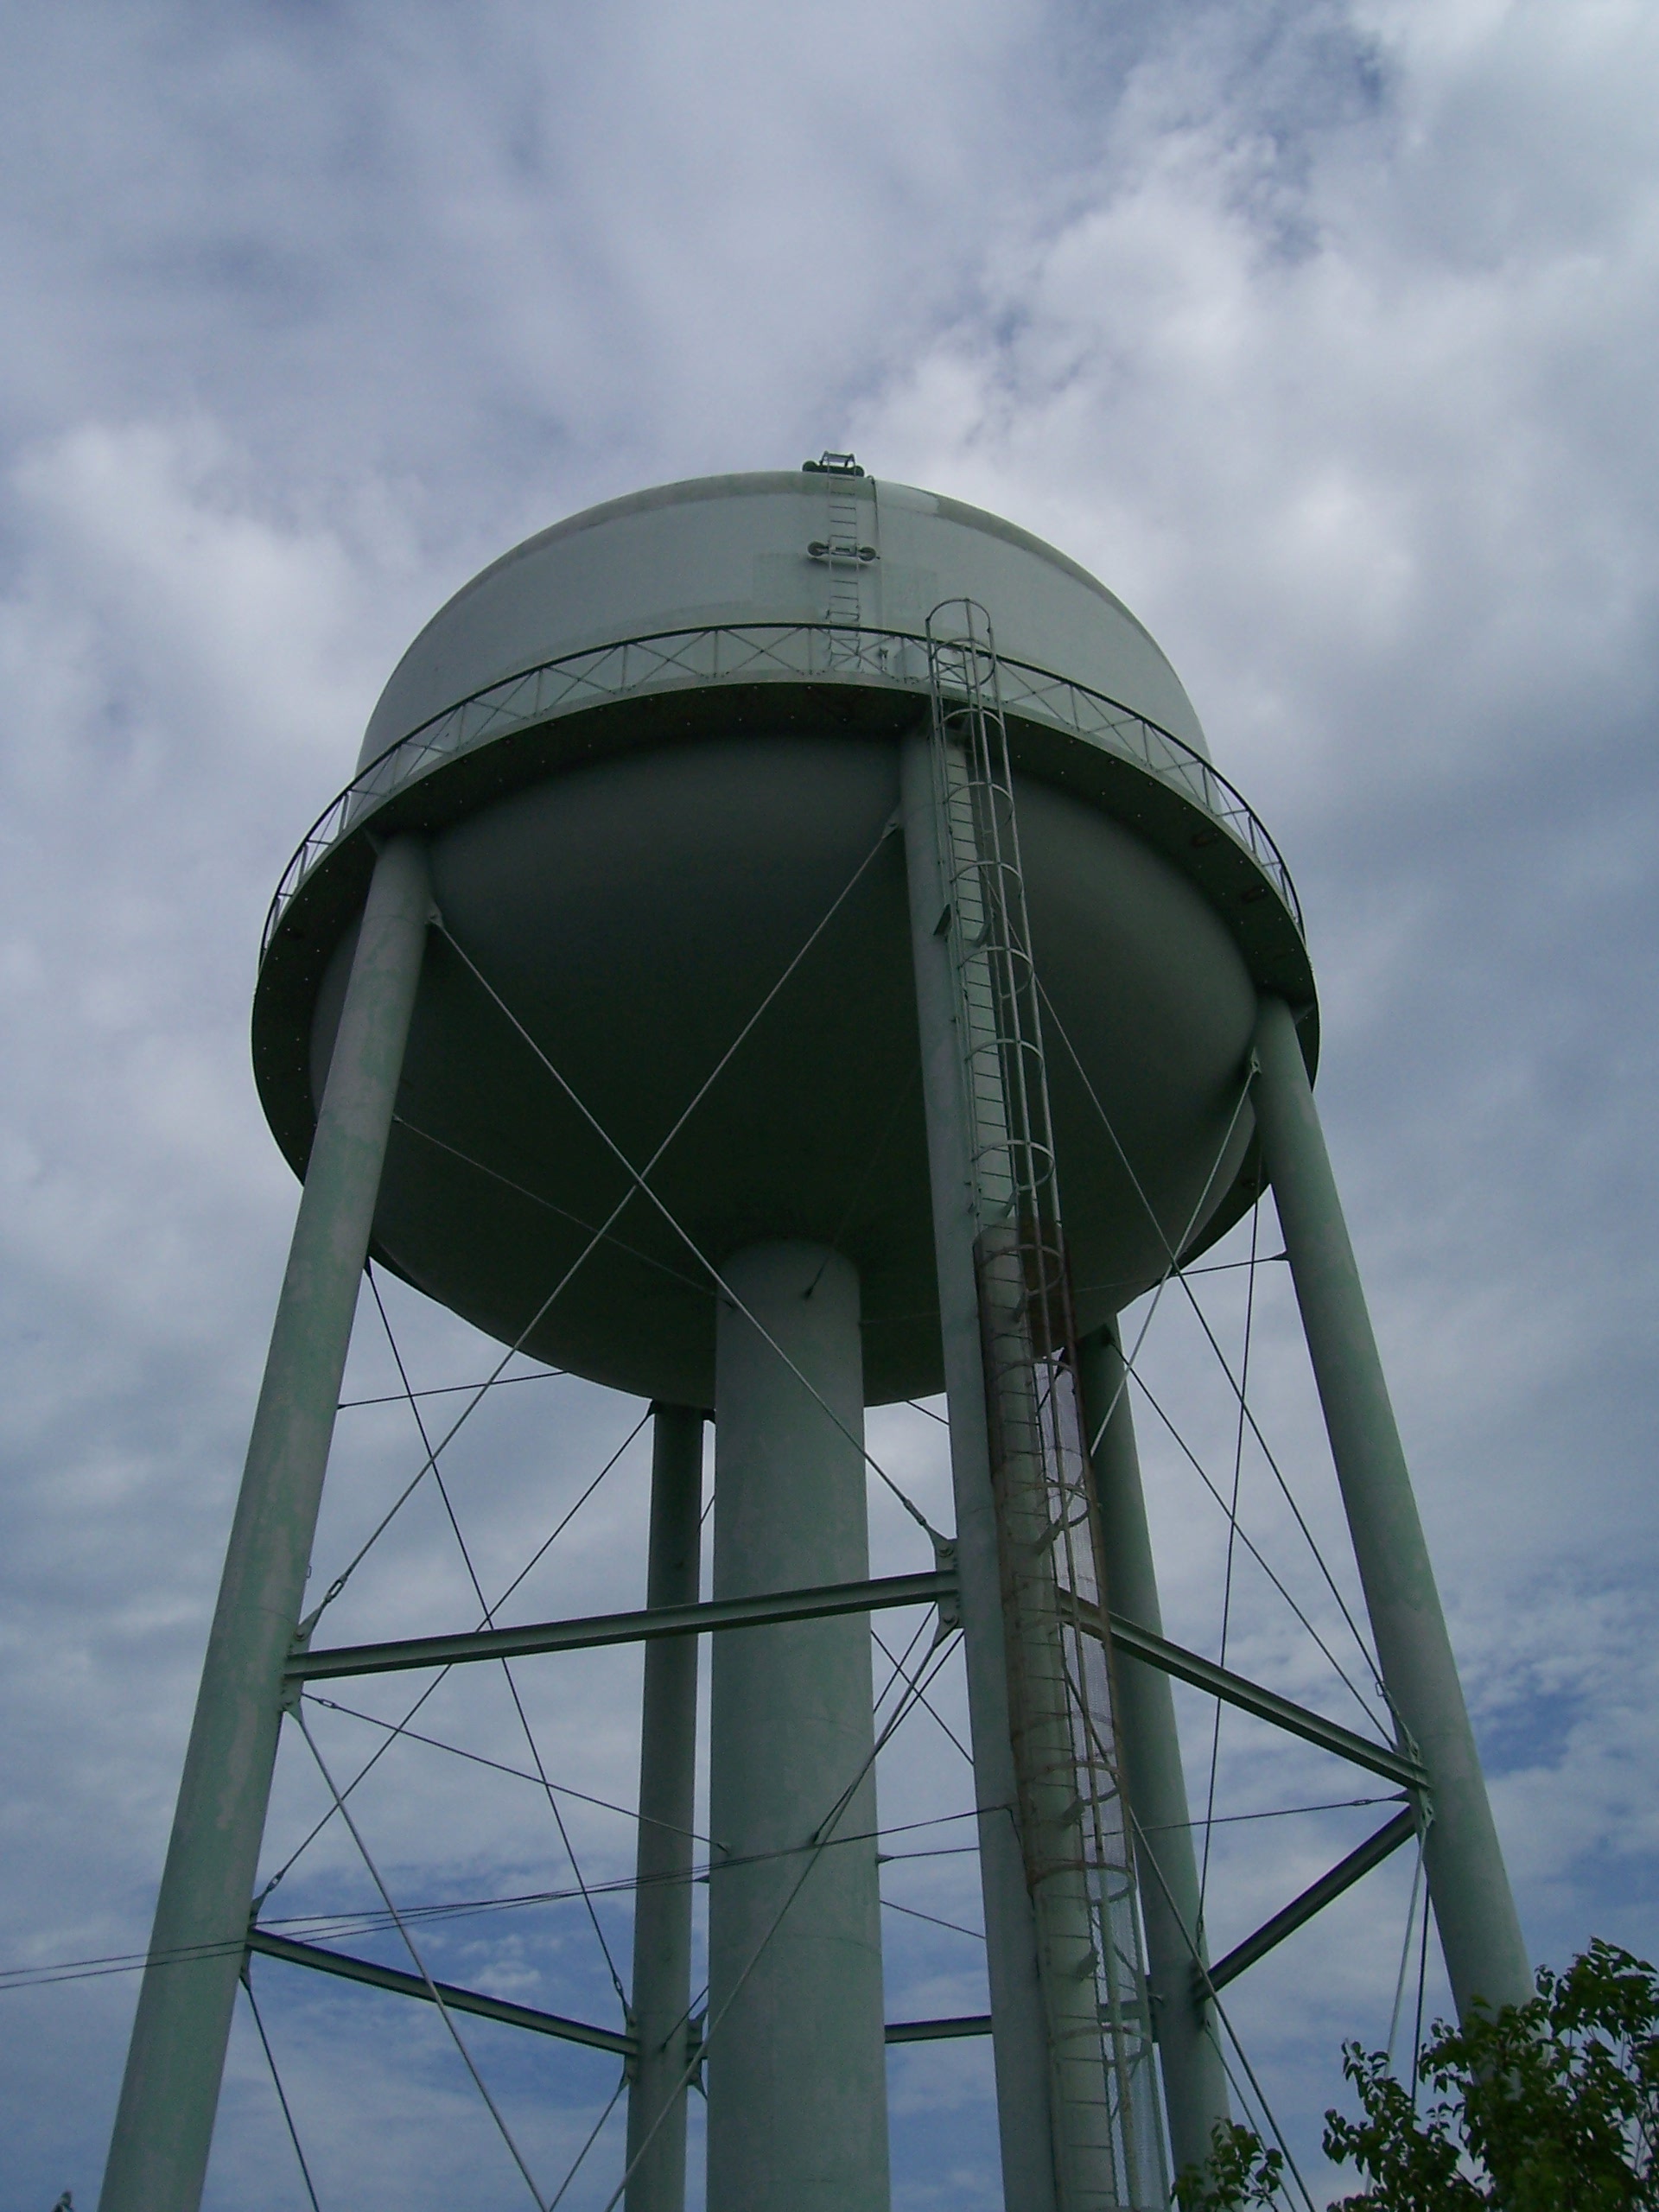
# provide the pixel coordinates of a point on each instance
(1324, 333)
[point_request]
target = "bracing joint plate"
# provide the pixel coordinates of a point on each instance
(293, 1687)
(949, 1600)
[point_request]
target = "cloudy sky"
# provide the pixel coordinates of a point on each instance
(1324, 334)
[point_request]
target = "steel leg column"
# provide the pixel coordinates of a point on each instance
(668, 1743)
(798, 2119)
(1195, 2082)
(164, 2124)
(1480, 1936)
(1019, 2034)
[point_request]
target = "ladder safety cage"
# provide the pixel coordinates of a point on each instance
(1074, 1823)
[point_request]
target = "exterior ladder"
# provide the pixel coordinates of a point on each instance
(843, 555)
(1074, 1821)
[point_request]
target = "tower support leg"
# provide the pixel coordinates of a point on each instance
(164, 2123)
(668, 1742)
(797, 2054)
(1019, 2034)
(1195, 2082)
(1480, 1934)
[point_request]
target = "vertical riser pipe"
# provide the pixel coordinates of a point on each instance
(797, 2050)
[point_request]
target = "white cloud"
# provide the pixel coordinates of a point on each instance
(1322, 332)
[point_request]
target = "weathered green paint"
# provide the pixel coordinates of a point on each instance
(797, 2068)
(372, 1975)
(1131, 1641)
(1019, 2035)
(1312, 1900)
(588, 1632)
(164, 2125)
(1480, 1934)
(668, 1753)
(1195, 2082)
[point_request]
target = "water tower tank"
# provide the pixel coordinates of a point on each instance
(786, 949)
(646, 768)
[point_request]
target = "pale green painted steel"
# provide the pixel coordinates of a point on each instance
(1316, 1728)
(1195, 2082)
(739, 550)
(1019, 2034)
(373, 1975)
(164, 2125)
(1474, 1910)
(589, 1631)
(668, 1756)
(797, 2068)
(1312, 1900)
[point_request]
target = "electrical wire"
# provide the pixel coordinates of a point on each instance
(362, 1922)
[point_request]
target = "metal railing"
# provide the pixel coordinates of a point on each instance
(768, 652)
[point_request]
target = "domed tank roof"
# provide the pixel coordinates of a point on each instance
(775, 547)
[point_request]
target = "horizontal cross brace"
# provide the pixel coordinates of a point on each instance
(624, 1628)
(969, 2023)
(526, 2015)
(1267, 1705)
(938, 1588)
(1343, 1875)
(456, 2000)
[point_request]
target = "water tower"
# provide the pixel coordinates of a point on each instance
(678, 993)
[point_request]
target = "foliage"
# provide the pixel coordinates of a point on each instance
(1239, 2170)
(1549, 2106)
